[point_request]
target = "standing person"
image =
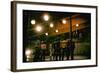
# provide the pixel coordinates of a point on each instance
(70, 49)
(55, 57)
(67, 49)
(63, 50)
(37, 56)
(57, 50)
(62, 53)
(43, 50)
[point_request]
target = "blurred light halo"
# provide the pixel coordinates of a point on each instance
(38, 28)
(51, 25)
(56, 30)
(46, 17)
(33, 22)
(77, 25)
(64, 21)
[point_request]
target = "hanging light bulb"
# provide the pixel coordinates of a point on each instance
(38, 28)
(33, 22)
(46, 34)
(56, 30)
(77, 25)
(46, 17)
(51, 25)
(64, 21)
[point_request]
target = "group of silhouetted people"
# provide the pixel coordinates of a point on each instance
(64, 52)
(58, 53)
(40, 52)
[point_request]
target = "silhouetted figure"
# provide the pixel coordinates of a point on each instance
(56, 50)
(70, 49)
(43, 51)
(63, 51)
(37, 56)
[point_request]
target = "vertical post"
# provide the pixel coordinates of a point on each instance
(70, 33)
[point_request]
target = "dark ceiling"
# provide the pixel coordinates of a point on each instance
(38, 15)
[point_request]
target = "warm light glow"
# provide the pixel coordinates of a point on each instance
(56, 30)
(46, 34)
(46, 17)
(64, 21)
(77, 25)
(38, 28)
(51, 25)
(33, 22)
(28, 52)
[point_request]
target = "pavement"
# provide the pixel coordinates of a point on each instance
(48, 58)
(75, 58)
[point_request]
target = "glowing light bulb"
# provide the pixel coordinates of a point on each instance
(77, 25)
(64, 21)
(56, 30)
(51, 25)
(28, 52)
(46, 34)
(46, 17)
(38, 28)
(33, 22)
